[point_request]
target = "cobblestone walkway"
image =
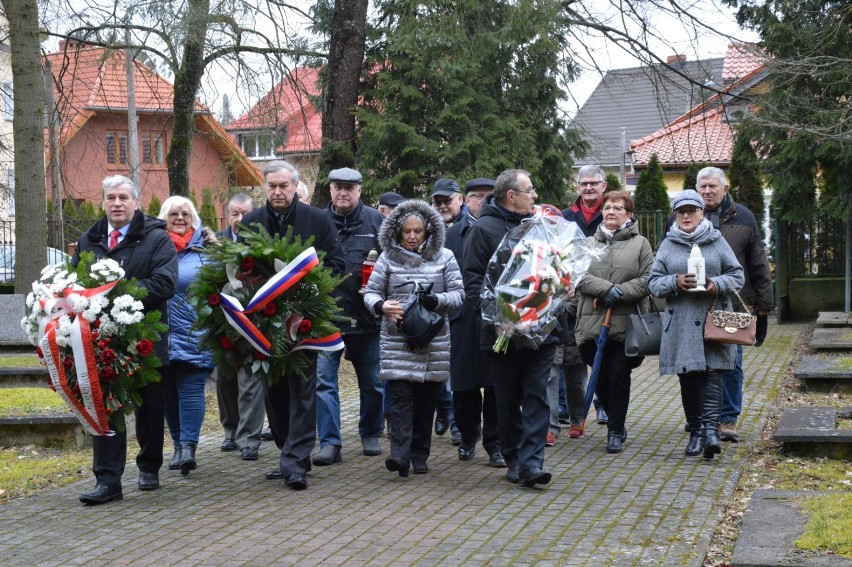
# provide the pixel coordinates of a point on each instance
(649, 505)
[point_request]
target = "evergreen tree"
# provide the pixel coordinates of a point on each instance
(691, 179)
(154, 206)
(208, 214)
(613, 183)
(466, 90)
(801, 122)
(744, 177)
(87, 211)
(651, 193)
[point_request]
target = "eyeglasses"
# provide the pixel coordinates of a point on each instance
(589, 183)
(476, 196)
(442, 202)
(530, 192)
(613, 208)
(687, 211)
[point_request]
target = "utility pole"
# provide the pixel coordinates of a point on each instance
(623, 153)
(132, 131)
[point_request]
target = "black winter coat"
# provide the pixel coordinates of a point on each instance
(481, 242)
(358, 234)
(147, 254)
(306, 221)
(574, 213)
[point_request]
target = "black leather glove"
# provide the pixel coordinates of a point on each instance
(760, 331)
(613, 296)
(429, 301)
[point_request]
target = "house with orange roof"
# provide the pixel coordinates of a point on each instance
(91, 95)
(706, 133)
(284, 124)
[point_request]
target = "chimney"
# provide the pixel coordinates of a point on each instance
(676, 59)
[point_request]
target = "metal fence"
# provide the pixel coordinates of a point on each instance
(816, 247)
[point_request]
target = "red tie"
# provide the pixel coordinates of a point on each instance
(113, 238)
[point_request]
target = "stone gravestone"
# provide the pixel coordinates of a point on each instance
(11, 312)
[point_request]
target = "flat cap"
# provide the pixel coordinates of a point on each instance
(483, 182)
(345, 175)
(688, 198)
(391, 199)
(445, 188)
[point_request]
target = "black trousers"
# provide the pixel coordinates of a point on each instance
(291, 407)
(110, 453)
(520, 388)
(613, 387)
(412, 408)
(476, 414)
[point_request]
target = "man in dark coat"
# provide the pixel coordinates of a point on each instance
(450, 204)
(357, 228)
(240, 397)
(475, 414)
(586, 212)
(144, 251)
(739, 228)
(520, 375)
(291, 403)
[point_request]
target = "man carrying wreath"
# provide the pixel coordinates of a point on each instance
(291, 403)
(520, 375)
(144, 251)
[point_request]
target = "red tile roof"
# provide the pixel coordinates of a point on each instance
(700, 138)
(740, 60)
(288, 104)
(89, 79)
(702, 135)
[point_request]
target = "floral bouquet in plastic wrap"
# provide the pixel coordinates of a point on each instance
(90, 329)
(530, 278)
(289, 307)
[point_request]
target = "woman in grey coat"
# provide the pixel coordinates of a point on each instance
(683, 350)
(412, 241)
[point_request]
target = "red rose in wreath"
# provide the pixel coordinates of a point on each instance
(305, 326)
(270, 309)
(226, 343)
(108, 374)
(145, 347)
(259, 355)
(108, 356)
(247, 264)
(214, 299)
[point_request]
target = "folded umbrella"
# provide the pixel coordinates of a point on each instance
(603, 337)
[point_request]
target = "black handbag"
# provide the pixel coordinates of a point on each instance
(644, 332)
(419, 325)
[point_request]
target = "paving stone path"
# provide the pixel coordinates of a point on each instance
(649, 505)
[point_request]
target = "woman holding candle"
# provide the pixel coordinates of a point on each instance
(683, 350)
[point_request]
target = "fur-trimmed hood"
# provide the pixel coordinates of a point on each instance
(392, 227)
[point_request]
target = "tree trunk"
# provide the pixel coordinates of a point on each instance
(346, 55)
(30, 212)
(187, 83)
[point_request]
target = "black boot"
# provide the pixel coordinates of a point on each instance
(174, 464)
(690, 396)
(711, 409)
(187, 458)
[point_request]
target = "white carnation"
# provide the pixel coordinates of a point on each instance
(79, 303)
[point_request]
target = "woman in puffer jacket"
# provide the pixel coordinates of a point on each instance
(186, 374)
(412, 241)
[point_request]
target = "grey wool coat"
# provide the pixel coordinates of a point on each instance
(683, 349)
(396, 265)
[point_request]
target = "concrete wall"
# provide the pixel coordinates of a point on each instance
(808, 296)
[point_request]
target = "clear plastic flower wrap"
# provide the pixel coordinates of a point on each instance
(531, 277)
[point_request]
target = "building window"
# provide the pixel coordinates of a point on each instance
(152, 148)
(10, 184)
(116, 147)
(8, 101)
(734, 114)
(262, 144)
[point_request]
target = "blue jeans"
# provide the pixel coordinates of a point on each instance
(362, 350)
(732, 390)
(183, 400)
